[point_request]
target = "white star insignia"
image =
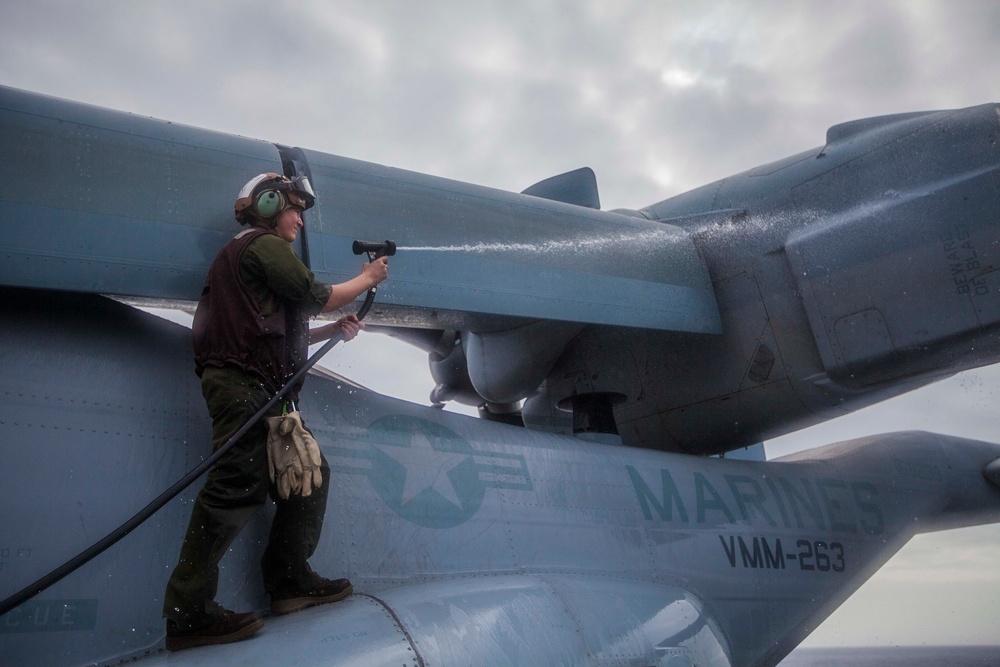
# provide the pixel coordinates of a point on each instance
(426, 468)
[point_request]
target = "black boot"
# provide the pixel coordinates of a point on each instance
(231, 627)
(285, 602)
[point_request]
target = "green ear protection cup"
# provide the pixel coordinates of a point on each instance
(269, 203)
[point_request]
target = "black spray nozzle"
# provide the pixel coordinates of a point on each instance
(375, 249)
(378, 248)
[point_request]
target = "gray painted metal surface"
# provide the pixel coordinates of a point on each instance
(768, 301)
(844, 275)
(135, 206)
(759, 306)
(482, 251)
(480, 543)
(109, 202)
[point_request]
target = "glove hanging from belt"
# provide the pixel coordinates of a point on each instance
(293, 459)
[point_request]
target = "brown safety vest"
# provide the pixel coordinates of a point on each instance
(230, 328)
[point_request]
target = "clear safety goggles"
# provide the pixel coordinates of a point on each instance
(299, 187)
(300, 184)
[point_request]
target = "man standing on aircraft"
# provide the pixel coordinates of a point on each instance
(251, 333)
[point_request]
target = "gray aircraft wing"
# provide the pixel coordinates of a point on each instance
(122, 204)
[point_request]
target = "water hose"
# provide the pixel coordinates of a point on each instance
(374, 251)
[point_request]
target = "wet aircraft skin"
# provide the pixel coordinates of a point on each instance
(470, 541)
(844, 275)
(771, 300)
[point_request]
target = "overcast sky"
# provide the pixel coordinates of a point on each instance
(656, 97)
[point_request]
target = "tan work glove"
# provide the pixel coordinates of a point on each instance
(283, 464)
(308, 449)
(293, 456)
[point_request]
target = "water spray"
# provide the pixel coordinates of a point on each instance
(649, 238)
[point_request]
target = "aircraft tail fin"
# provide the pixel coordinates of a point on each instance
(842, 511)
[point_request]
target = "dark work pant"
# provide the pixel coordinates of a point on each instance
(236, 487)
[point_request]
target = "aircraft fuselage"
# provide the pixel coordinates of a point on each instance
(469, 542)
